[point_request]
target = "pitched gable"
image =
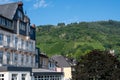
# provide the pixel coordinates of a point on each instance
(8, 10)
(61, 61)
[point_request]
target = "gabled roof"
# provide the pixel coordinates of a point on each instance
(61, 61)
(43, 55)
(8, 10)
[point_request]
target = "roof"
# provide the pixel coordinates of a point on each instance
(45, 72)
(43, 55)
(42, 70)
(13, 68)
(61, 61)
(8, 10)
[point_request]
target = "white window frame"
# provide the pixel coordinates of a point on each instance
(14, 77)
(1, 76)
(23, 76)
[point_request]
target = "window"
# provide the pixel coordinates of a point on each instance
(32, 46)
(27, 58)
(22, 43)
(23, 76)
(15, 58)
(36, 58)
(1, 36)
(22, 59)
(16, 41)
(8, 58)
(31, 60)
(1, 76)
(1, 56)
(22, 26)
(27, 45)
(20, 15)
(1, 39)
(3, 21)
(14, 76)
(36, 78)
(8, 23)
(8, 40)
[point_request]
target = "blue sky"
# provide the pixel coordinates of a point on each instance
(43, 12)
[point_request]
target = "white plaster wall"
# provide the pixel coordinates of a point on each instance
(12, 44)
(19, 75)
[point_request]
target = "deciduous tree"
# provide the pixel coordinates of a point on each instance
(98, 65)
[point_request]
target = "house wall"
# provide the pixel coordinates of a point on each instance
(8, 75)
(67, 73)
(44, 62)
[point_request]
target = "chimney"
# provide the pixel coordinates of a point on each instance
(33, 25)
(20, 3)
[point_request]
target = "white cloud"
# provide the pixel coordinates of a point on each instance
(5, 1)
(40, 3)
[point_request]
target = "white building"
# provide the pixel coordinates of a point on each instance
(18, 54)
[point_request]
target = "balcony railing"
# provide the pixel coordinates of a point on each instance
(5, 43)
(16, 46)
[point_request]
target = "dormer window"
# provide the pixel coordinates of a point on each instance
(20, 15)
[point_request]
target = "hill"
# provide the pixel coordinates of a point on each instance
(77, 39)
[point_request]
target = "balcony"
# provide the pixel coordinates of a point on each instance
(17, 46)
(25, 48)
(5, 44)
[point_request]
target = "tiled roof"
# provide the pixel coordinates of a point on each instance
(61, 61)
(8, 10)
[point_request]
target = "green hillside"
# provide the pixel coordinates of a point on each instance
(78, 38)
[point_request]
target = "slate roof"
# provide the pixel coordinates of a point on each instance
(61, 61)
(8, 10)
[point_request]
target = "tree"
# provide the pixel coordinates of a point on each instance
(61, 24)
(97, 65)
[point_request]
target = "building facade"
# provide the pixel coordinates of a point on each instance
(44, 60)
(19, 57)
(17, 43)
(65, 65)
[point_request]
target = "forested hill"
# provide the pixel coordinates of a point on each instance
(78, 38)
